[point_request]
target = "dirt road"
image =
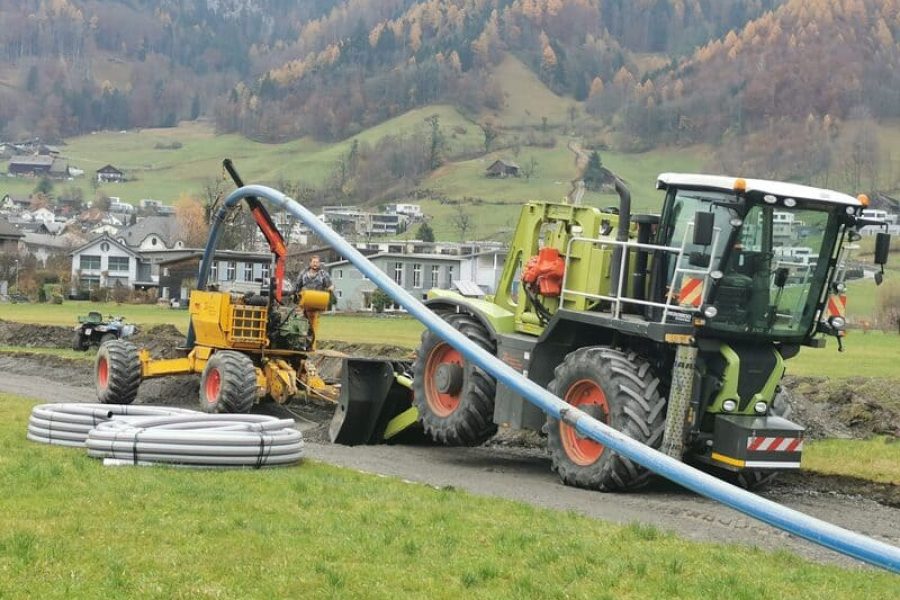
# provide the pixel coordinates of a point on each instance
(523, 474)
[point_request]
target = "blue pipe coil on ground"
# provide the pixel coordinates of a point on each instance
(797, 523)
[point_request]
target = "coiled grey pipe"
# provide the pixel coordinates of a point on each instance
(68, 424)
(815, 530)
(198, 439)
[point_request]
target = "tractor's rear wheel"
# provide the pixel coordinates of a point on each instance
(454, 397)
(616, 388)
(228, 383)
(117, 372)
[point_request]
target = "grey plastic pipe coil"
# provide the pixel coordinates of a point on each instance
(198, 440)
(68, 424)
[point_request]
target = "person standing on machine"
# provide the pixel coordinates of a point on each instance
(313, 278)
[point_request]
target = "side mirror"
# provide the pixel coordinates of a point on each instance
(703, 228)
(781, 275)
(882, 248)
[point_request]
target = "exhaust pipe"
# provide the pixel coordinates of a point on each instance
(618, 268)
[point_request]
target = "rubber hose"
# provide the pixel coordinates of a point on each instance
(68, 424)
(199, 439)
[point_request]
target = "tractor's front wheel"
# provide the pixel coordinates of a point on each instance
(454, 397)
(108, 337)
(618, 389)
(117, 373)
(228, 383)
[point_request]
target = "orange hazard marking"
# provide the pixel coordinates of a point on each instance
(837, 306)
(691, 292)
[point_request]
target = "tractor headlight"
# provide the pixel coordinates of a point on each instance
(837, 322)
(840, 287)
(729, 405)
(790, 202)
(710, 311)
(761, 407)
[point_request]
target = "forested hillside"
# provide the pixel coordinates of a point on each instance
(275, 69)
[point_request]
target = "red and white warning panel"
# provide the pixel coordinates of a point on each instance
(691, 293)
(837, 306)
(745, 442)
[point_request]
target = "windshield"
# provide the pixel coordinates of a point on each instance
(773, 271)
(683, 208)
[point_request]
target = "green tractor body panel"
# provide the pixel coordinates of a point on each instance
(494, 316)
(749, 381)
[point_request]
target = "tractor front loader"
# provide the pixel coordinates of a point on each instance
(245, 347)
(672, 328)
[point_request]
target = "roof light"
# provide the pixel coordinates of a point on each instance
(769, 199)
(740, 185)
(790, 202)
(863, 199)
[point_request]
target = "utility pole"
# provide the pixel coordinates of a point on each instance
(17, 275)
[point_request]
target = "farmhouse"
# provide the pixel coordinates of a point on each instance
(10, 238)
(110, 174)
(502, 168)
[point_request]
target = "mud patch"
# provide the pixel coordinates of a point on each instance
(834, 485)
(29, 335)
(844, 408)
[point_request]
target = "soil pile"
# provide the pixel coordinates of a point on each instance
(844, 408)
(30, 335)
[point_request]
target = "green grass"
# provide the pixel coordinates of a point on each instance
(60, 352)
(527, 99)
(68, 312)
(876, 459)
(73, 528)
(865, 355)
(166, 174)
(397, 331)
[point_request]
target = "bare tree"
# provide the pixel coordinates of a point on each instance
(462, 222)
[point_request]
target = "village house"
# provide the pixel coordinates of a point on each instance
(10, 238)
(110, 174)
(230, 271)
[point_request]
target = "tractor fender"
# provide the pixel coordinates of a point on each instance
(495, 319)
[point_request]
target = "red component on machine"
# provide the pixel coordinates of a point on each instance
(546, 271)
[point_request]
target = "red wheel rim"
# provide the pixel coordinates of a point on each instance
(441, 403)
(102, 372)
(588, 396)
(213, 385)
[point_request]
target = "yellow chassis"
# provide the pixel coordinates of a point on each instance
(275, 377)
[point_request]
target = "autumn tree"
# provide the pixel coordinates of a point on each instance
(193, 226)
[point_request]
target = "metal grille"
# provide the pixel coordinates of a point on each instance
(248, 324)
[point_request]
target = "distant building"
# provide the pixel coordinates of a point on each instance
(470, 273)
(152, 233)
(30, 165)
(110, 174)
(14, 204)
(413, 211)
(230, 271)
(352, 221)
(10, 238)
(502, 168)
(104, 262)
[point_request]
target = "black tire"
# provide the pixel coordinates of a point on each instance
(463, 414)
(753, 479)
(619, 389)
(107, 337)
(117, 373)
(78, 342)
(228, 383)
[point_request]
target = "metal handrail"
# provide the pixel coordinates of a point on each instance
(619, 299)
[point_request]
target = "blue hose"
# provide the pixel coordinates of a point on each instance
(815, 530)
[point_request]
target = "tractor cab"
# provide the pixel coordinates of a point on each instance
(758, 260)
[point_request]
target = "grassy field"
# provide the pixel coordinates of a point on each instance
(865, 355)
(166, 174)
(74, 528)
(527, 99)
(397, 331)
(877, 459)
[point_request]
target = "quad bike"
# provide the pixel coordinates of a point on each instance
(93, 330)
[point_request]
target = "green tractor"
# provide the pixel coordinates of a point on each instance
(671, 328)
